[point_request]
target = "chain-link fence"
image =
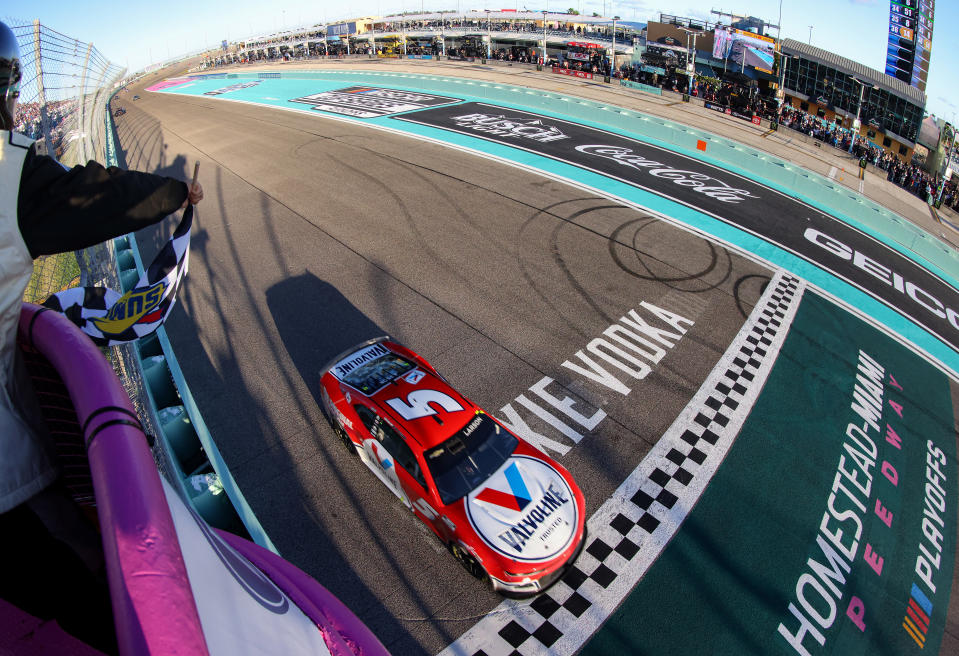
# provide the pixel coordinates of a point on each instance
(63, 96)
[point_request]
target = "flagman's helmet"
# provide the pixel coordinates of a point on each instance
(9, 76)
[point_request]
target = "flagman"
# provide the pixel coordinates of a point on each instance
(50, 555)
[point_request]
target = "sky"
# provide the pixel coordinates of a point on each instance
(135, 33)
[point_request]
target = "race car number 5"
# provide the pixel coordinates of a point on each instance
(417, 404)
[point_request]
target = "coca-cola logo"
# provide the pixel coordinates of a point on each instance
(698, 182)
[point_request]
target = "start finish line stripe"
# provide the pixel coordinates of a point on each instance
(629, 531)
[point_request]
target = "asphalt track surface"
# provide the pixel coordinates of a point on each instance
(316, 235)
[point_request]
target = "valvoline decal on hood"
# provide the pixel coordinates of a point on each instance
(525, 511)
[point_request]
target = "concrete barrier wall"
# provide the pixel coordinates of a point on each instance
(188, 456)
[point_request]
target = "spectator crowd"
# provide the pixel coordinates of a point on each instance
(29, 121)
(908, 175)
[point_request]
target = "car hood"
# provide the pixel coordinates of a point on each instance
(526, 511)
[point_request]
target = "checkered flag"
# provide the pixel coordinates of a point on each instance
(109, 318)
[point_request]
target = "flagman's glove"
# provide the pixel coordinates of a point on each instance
(195, 195)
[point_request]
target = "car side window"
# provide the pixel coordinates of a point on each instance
(367, 416)
(399, 449)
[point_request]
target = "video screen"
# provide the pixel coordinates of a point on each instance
(737, 45)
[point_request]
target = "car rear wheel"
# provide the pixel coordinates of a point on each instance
(344, 438)
(468, 562)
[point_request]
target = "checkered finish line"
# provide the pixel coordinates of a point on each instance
(628, 532)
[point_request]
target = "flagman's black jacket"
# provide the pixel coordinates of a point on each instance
(61, 210)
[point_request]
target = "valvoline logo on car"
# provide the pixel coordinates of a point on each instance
(525, 511)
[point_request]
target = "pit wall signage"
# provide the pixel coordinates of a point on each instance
(586, 75)
(756, 120)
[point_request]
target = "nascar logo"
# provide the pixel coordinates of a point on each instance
(916, 621)
(136, 306)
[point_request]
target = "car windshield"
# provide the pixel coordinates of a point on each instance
(373, 375)
(469, 457)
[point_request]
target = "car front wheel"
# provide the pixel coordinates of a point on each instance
(469, 562)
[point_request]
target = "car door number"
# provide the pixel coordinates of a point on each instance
(417, 404)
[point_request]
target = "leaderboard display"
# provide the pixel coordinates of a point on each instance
(910, 40)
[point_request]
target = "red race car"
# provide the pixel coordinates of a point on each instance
(505, 509)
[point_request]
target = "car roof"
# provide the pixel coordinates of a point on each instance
(428, 431)
(443, 411)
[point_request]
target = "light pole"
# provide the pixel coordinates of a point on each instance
(612, 67)
(489, 38)
(544, 37)
(691, 61)
(779, 25)
(810, 35)
(783, 64)
(856, 123)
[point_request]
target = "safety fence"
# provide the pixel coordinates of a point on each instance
(65, 94)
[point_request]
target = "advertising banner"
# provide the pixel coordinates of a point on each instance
(673, 35)
(642, 87)
(728, 111)
(340, 29)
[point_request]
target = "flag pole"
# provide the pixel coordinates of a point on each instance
(196, 172)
